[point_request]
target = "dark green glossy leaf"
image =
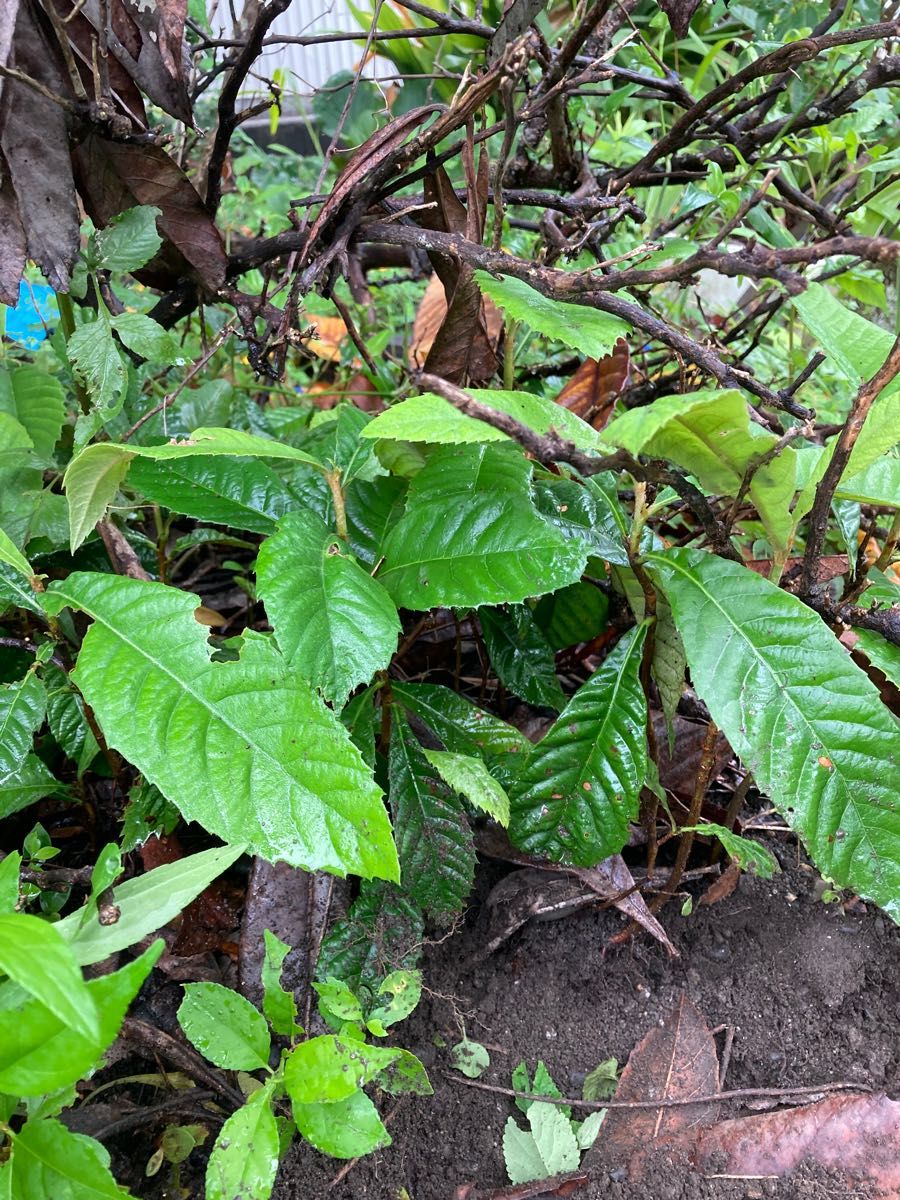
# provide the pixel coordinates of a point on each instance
(466, 729)
(471, 534)
(22, 706)
(292, 786)
(434, 841)
(521, 656)
(241, 492)
(803, 717)
(573, 615)
(335, 624)
(581, 785)
(382, 932)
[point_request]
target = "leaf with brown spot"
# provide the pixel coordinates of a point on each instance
(595, 387)
(856, 1135)
(674, 1062)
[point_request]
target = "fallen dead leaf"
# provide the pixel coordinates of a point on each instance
(674, 1062)
(857, 1135)
(595, 387)
(723, 887)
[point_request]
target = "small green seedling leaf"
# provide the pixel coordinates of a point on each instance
(346, 1129)
(600, 1084)
(403, 989)
(224, 1027)
(470, 777)
(34, 955)
(405, 1076)
(279, 1005)
(586, 1132)
(329, 1068)
(470, 1058)
(748, 854)
(244, 1160)
(337, 1000)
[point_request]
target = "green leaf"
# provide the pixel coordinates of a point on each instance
(403, 990)
(858, 348)
(244, 1159)
(9, 553)
(241, 492)
(587, 511)
(9, 881)
(554, 1138)
(471, 535)
(405, 1076)
(47, 1160)
(434, 841)
(669, 663)
(573, 615)
(39, 1054)
(470, 777)
(521, 1155)
(587, 1132)
(279, 1005)
(521, 656)
(383, 927)
(601, 1083)
(328, 1068)
(804, 719)
(431, 418)
(31, 782)
(130, 239)
(37, 402)
(581, 785)
(146, 338)
(748, 854)
(335, 997)
(146, 903)
(22, 707)
(346, 1129)
(94, 475)
(336, 440)
(466, 729)
(335, 624)
(14, 591)
(470, 1058)
(96, 360)
(67, 720)
(710, 434)
(881, 654)
(588, 330)
(33, 954)
(293, 787)
(15, 444)
(879, 484)
(224, 1027)
(373, 507)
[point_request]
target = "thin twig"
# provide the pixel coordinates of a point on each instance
(669, 1101)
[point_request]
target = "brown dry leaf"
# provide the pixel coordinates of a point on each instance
(330, 335)
(678, 771)
(679, 13)
(857, 1135)
(676, 1061)
(611, 878)
(723, 887)
(34, 142)
(592, 391)
(830, 566)
(430, 316)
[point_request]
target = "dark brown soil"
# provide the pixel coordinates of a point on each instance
(812, 992)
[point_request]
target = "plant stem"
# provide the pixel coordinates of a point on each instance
(340, 510)
(509, 354)
(67, 321)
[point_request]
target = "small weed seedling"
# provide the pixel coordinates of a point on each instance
(553, 1142)
(321, 1077)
